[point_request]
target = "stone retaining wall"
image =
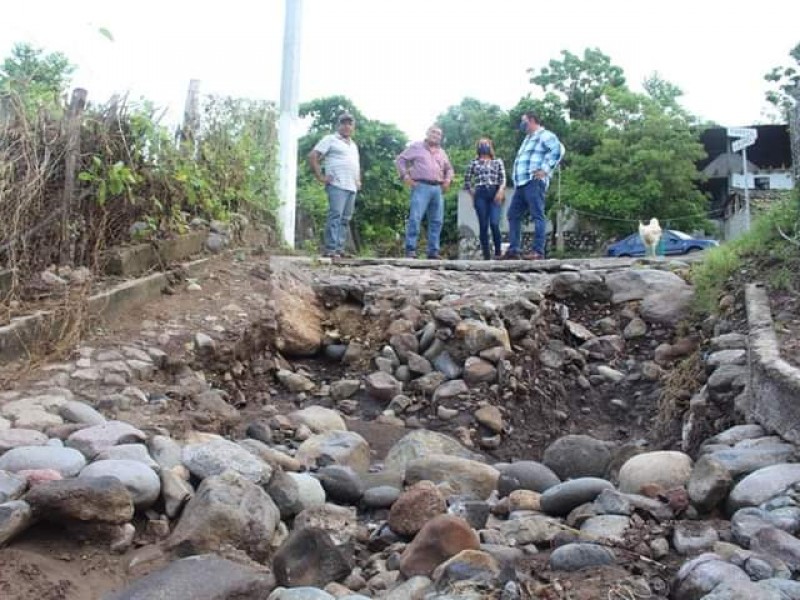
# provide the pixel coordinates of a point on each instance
(774, 383)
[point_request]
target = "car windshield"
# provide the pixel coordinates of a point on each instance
(680, 234)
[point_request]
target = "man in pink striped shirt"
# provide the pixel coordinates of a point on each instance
(425, 168)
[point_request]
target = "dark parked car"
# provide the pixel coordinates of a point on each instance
(672, 242)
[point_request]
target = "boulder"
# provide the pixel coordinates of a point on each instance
(441, 538)
(310, 558)
(227, 509)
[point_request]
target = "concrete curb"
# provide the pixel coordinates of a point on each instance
(129, 261)
(18, 338)
(774, 383)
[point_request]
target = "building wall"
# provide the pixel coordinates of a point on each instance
(781, 180)
(735, 225)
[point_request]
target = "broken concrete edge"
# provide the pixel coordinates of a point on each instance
(523, 266)
(18, 338)
(774, 383)
(129, 261)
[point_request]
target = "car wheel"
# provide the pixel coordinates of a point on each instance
(693, 249)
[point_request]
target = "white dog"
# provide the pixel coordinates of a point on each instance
(650, 234)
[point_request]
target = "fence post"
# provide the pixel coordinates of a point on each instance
(560, 245)
(73, 149)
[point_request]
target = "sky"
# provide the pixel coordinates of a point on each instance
(406, 62)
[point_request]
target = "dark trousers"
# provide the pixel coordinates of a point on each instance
(488, 212)
(528, 199)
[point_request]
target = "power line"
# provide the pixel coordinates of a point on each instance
(622, 220)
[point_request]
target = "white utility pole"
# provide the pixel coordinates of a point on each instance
(289, 119)
(746, 189)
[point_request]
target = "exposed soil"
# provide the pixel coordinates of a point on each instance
(785, 307)
(782, 279)
(45, 564)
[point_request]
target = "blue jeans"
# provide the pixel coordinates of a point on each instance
(340, 210)
(488, 216)
(528, 199)
(427, 200)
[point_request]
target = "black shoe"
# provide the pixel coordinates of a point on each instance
(510, 256)
(411, 255)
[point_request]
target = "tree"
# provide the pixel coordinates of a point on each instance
(579, 82)
(643, 167)
(786, 83)
(462, 124)
(785, 96)
(663, 92)
(381, 204)
(324, 112)
(35, 76)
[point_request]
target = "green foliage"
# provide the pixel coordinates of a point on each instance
(580, 83)
(382, 203)
(37, 78)
(710, 276)
(323, 112)
(643, 167)
(463, 124)
(664, 93)
(112, 181)
(232, 168)
(237, 153)
(775, 258)
(631, 156)
(786, 83)
(106, 33)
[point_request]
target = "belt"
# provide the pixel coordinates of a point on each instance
(428, 181)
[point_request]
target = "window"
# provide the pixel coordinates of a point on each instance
(762, 183)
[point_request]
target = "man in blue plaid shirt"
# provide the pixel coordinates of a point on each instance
(536, 159)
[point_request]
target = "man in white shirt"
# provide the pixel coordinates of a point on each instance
(342, 179)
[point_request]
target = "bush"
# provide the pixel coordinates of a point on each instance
(771, 244)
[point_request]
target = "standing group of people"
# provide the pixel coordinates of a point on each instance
(425, 168)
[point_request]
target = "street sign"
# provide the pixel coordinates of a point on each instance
(747, 137)
(742, 143)
(742, 132)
